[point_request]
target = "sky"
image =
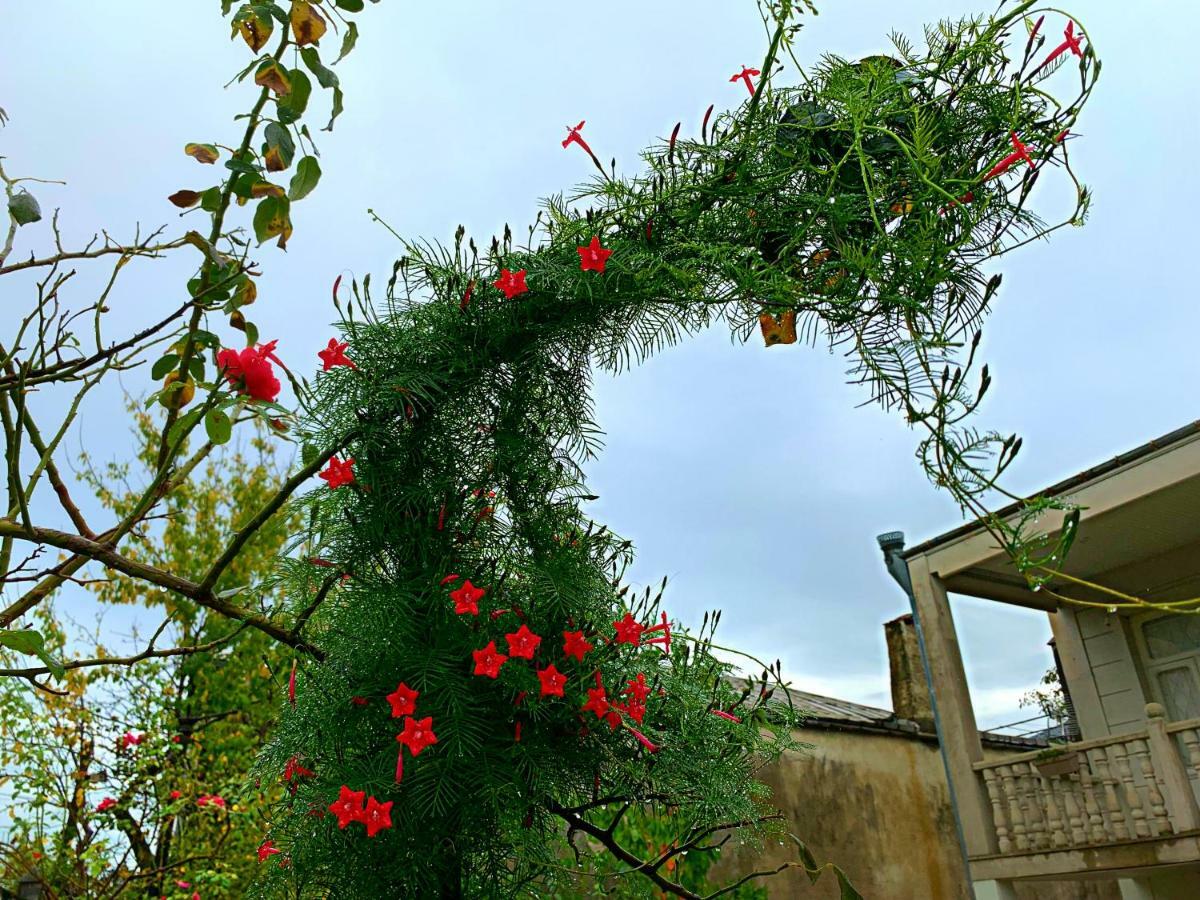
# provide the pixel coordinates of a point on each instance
(754, 479)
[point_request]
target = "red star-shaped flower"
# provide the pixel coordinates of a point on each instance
(293, 769)
(629, 630)
(335, 355)
(522, 643)
(635, 709)
(597, 702)
(418, 734)
(266, 850)
(106, 803)
(488, 661)
(403, 700)
(638, 689)
(338, 472)
(575, 645)
(217, 800)
(552, 681)
(466, 598)
(129, 739)
(377, 816)
(511, 283)
(348, 807)
(593, 257)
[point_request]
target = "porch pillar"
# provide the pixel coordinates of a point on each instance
(995, 890)
(948, 684)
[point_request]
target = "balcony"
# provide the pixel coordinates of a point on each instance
(1120, 802)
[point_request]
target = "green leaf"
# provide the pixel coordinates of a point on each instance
(337, 108)
(349, 5)
(243, 182)
(202, 338)
(183, 424)
(164, 367)
(325, 76)
(32, 643)
(348, 42)
(218, 426)
(242, 167)
(210, 200)
(23, 208)
(291, 107)
(308, 173)
(308, 453)
(251, 334)
(196, 367)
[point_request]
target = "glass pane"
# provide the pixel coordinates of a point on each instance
(1180, 692)
(1171, 635)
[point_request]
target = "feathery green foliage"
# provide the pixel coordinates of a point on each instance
(858, 202)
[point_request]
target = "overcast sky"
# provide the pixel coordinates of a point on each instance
(750, 477)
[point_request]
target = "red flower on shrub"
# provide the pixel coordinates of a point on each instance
(348, 807)
(249, 371)
(338, 472)
(511, 283)
(466, 598)
(403, 700)
(552, 681)
(335, 355)
(377, 816)
(488, 661)
(574, 644)
(522, 643)
(593, 257)
(629, 630)
(106, 803)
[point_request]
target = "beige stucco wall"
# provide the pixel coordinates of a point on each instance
(878, 806)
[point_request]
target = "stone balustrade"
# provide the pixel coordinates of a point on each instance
(1091, 793)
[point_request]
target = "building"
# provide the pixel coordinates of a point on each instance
(870, 794)
(1118, 806)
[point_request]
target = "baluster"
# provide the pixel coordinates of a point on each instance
(1089, 787)
(1071, 789)
(1058, 837)
(998, 816)
(1132, 799)
(1034, 815)
(1191, 740)
(1015, 817)
(1158, 808)
(1117, 828)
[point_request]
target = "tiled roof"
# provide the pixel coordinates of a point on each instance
(829, 712)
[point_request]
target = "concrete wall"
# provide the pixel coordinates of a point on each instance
(878, 806)
(1110, 660)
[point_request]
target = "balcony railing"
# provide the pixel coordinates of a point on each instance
(1118, 788)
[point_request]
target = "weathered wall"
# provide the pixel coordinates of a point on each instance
(878, 806)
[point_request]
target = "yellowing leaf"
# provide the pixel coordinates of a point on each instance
(266, 189)
(254, 28)
(308, 26)
(274, 77)
(273, 218)
(205, 153)
(782, 331)
(274, 161)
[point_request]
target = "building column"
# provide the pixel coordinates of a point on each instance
(994, 890)
(959, 733)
